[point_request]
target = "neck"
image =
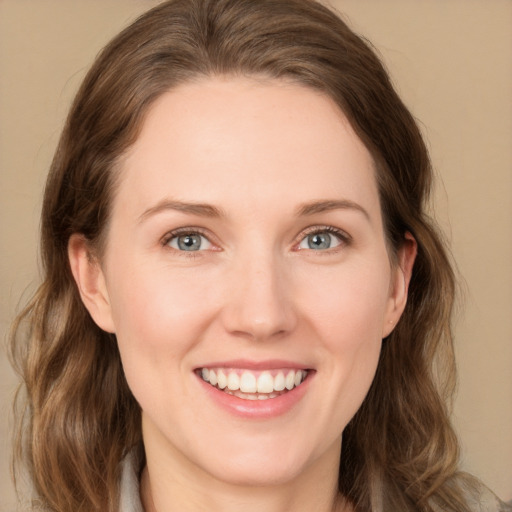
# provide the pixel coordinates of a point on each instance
(249, 500)
(170, 484)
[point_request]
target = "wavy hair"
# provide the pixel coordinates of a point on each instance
(399, 451)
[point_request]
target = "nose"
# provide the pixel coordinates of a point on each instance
(259, 303)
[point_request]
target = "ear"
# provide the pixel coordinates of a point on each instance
(90, 281)
(399, 285)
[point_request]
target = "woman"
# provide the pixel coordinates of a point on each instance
(244, 303)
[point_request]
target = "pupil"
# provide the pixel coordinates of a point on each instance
(189, 242)
(319, 241)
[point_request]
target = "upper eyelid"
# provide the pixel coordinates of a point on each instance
(345, 240)
(320, 229)
(192, 230)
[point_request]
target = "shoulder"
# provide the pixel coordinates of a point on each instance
(487, 501)
(466, 493)
(481, 499)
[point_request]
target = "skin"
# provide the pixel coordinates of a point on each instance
(256, 152)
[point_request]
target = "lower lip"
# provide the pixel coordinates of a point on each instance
(257, 409)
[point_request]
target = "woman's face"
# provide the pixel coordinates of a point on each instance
(246, 251)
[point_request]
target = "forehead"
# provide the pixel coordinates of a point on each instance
(229, 139)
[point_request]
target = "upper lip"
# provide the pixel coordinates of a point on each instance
(268, 364)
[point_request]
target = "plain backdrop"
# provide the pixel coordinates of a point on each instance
(451, 61)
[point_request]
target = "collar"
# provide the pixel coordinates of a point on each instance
(129, 499)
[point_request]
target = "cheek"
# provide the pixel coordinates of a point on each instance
(348, 316)
(159, 321)
(159, 314)
(348, 305)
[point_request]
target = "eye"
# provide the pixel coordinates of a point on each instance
(322, 239)
(189, 242)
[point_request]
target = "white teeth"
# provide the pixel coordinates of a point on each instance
(233, 381)
(279, 382)
(290, 380)
(246, 396)
(248, 383)
(222, 380)
(253, 386)
(265, 383)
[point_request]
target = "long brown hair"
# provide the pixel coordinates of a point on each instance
(399, 451)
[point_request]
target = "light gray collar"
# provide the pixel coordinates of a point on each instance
(129, 500)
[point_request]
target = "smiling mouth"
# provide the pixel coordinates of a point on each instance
(253, 385)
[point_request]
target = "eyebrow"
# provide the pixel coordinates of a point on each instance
(201, 209)
(207, 210)
(331, 204)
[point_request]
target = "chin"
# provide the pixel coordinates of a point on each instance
(258, 471)
(267, 462)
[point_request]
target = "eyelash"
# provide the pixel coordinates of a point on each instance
(344, 238)
(184, 231)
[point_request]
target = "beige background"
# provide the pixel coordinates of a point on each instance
(451, 61)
